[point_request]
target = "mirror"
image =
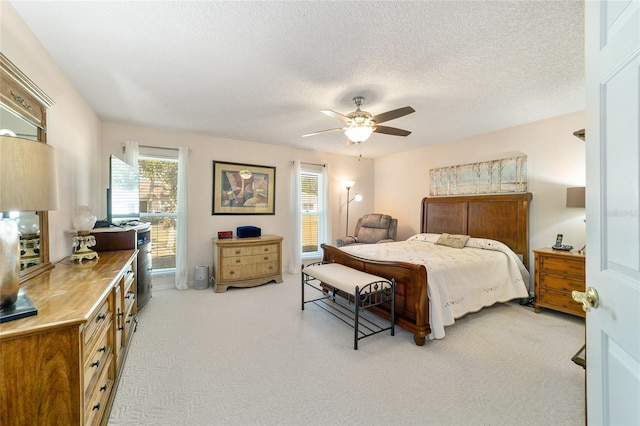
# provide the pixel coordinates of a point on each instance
(23, 109)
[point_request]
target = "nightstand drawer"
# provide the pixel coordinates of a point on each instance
(565, 267)
(556, 282)
(560, 302)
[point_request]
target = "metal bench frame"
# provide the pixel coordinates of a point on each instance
(374, 293)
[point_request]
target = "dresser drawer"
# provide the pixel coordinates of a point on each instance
(266, 248)
(238, 272)
(267, 268)
(231, 262)
(96, 403)
(96, 358)
(564, 267)
(236, 251)
(96, 322)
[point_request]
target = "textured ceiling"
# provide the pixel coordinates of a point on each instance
(262, 71)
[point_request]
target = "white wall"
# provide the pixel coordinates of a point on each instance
(73, 129)
(555, 161)
(205, 149)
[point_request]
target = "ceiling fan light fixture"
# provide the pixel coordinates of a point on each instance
(358, 133)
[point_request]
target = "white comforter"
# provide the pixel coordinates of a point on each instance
(460, 280)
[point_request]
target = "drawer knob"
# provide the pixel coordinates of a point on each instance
(266, 258)
(589, 298)
(101, 317)
(103, 349)
(95, 364)
(232, 272)
(103, 388)
(238, 261)
(265, 249)
(238, 252)
(96, 407)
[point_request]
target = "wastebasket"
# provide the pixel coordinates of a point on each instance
(202, 277)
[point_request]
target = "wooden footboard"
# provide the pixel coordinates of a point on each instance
(412, 302)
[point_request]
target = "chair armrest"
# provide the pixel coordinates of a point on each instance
(345, 241)
(389, 240)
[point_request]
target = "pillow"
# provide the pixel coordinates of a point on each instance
(453, 241)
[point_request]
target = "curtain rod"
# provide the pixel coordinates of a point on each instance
(311, 164)
(158, 147)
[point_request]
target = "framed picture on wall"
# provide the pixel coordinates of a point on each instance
(243, 188)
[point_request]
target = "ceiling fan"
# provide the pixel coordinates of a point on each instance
(360, 124)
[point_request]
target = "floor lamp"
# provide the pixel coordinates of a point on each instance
(357, 198)
(28, 181)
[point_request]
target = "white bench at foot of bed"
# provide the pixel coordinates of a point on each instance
(363, 290)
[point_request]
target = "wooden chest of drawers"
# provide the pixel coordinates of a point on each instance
(247, 262)
(62, 365)
(557, 274)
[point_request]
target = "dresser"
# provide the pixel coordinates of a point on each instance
(62, 365)
(557, 274)
(246, 262)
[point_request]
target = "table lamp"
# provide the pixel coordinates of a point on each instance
(28, 182)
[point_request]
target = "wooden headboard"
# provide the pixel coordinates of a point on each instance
(503, 217)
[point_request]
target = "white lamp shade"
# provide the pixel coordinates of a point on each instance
(28, 180)
(358, 133)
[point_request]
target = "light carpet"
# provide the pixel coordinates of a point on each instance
(253, 357)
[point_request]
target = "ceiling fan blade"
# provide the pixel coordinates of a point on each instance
(323, 131)
(337, 115)
(391, 131)
(391, 115)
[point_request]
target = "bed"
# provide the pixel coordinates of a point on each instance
(503, 218)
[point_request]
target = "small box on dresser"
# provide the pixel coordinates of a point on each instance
(557, 274)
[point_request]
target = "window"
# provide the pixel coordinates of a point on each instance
(159, 205)
(313, 212)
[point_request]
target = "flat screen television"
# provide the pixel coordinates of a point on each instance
(123, 195)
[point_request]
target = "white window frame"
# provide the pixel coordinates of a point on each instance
(320, 212)
(159, 154)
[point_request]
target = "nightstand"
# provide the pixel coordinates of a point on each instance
(557, 274)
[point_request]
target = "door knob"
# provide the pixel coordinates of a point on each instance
(589, 298)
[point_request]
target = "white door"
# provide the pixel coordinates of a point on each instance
(613, 206)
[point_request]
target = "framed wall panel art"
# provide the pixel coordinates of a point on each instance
(243, 188)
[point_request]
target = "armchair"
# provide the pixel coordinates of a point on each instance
(372, 228)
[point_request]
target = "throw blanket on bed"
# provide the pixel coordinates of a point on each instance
(460, 281)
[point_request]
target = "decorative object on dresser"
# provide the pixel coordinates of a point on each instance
(248, 232)
(28, 181)
(557, 274)
(243, 189)
(83, 223)
(126, 238)
(63, 365)
(247, 262)
(225, 234)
